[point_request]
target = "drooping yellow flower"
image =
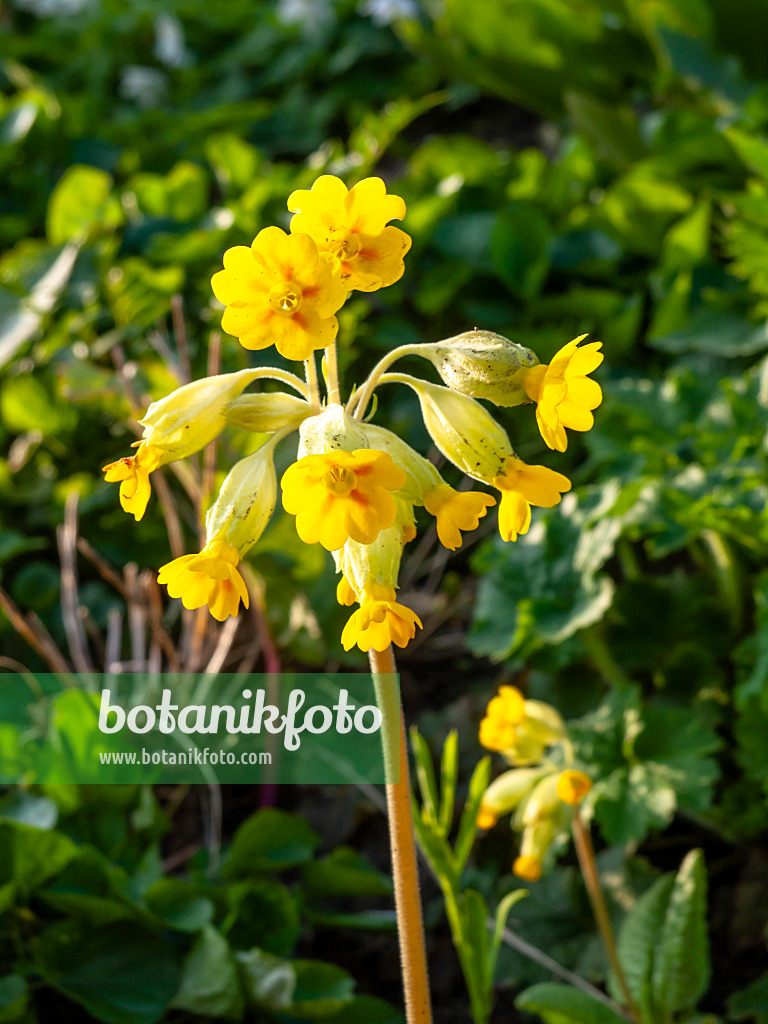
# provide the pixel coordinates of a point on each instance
(281, 291)
(528, 868)
(535, 842)
(522, 486)
(133, 474)
(506, 792)
(573, 786)
(346, 594)
(208, 578)
(342, 495)
(352, 226)
(564, 394)
(456, 511)
(379, 622)
(518, 728)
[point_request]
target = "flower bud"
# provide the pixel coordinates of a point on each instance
(265, 414)
(422, 477)
(190, 417)
(246, 501)
(506, 792)
(482, 364)
(463, 430)
(379, 562)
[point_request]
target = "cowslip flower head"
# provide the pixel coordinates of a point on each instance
(520, 729)
(522, 486)
(133, 474)
(351, 225)
(342, 495)
(564, 394)
(281, 291)
(456, 511)
(379, 622)
(209, 578)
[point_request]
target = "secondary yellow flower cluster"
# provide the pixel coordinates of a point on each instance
(354, 485)
(541, 788)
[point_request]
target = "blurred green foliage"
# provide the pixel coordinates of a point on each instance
(570, 166)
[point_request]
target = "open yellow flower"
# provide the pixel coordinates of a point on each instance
(520, 729)
(281, 291)
(208, 578)
(379, 622)
(522, 486)
(133, 474)
(352, 226)
(456, 511)
(573, 786)
(564, 394)
(342, 495)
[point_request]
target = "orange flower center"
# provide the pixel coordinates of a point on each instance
(340, 481)
(344, 248)
(285, 297)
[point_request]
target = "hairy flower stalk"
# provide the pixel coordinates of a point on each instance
(354, 486)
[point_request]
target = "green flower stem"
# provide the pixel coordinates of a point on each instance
(410, 925)
(586, 854)
(275, 373)
(312, 386)
(359, 400)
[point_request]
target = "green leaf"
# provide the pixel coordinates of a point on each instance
(345, 872)
(209, 985)
(639, 940)
(368, 1010)
(750, 1002)
(321, 990)
(26, 403)
(425, 775)
(79, 202)
(468, 823)
(500, 923)
(121, 974)
(264, 912)
(519, 248)
(449, 773)
(14, 997)
(269, 980)
(559, 1004)
(681, 969)
(179, 904)
(29, 856)
(270, 840)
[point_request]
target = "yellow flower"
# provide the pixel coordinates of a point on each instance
(522, 486)
(506, 792)
(564, 394)
(209, 578)
(379, 622)
(281, 291)
(573, 786)
(533, 848)
(456, 511)
(518, 728)
(345, 592)
(342, 495)
(527, 868)
(351, 226)
(133, 474)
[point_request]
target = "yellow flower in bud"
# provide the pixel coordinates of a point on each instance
(281, 291)
(463, 430)
(133, 474)
(535, 842)
(506, 792)
(365, 566)
(563, 392)
(543, 802)
(482, 364)
(351, 225)
(379, 622)
(342, 495)
(522, 486)
(209, 578)
(485, 818)
(264, 414)
(188, 419)
(573, 786)
(456, 511)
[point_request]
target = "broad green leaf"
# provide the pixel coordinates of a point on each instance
(268, 841)
(345, 872)
(264, 912)
(322, 990)
(179, 904)
(209, 984)
(519, 248)
(681, 968)
(269, 981)
(559, 1004)
(14, 997)
(30, 856)
(639, 940)
(79, 202)
(750, 1002)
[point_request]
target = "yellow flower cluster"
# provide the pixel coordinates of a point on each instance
(538, 790)
(354, 485)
